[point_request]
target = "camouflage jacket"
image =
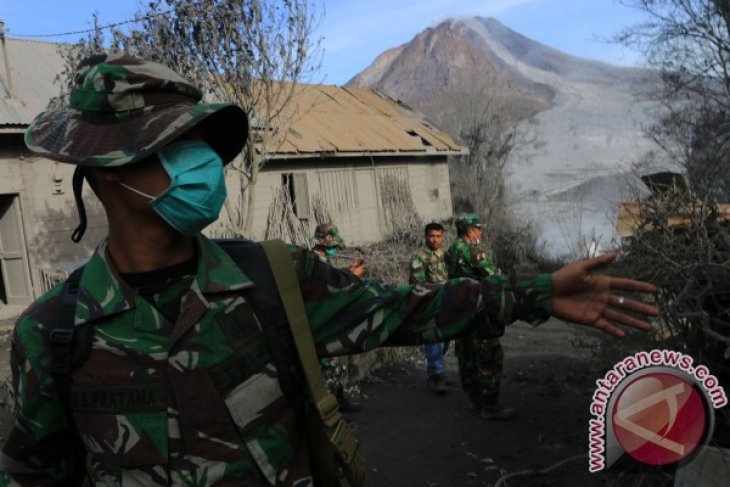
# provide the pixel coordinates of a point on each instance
(428, 266)
(466, 259)
(200, 401)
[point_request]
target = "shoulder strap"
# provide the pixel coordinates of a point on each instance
(69, 347)
(287, 282)
(63, 330)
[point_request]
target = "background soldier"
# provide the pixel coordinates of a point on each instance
(326, 242)
(428, 267)
(480, 359)
(192, 375)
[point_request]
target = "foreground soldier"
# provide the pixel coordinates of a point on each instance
(480, 358)
(184, 384)
(428, 267)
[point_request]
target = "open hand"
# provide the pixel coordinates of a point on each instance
(589, 299)
(357, 267)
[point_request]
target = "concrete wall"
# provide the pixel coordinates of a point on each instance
(48, 211)
(351, 190)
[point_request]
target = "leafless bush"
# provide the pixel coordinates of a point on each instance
(321, 212)
(682, 244)
(283, 223)
(514, 242)
(399, 211)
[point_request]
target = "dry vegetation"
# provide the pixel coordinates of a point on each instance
(682, 244)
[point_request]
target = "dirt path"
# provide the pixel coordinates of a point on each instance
(411, 437)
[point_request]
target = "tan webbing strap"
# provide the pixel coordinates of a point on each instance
(340, 433)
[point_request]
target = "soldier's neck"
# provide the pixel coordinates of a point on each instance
(147, 249)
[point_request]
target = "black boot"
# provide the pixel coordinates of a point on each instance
(437, 384)
(491, 409)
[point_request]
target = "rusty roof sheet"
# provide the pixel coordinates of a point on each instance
(337, 120)
(33, 67)
(629, 218)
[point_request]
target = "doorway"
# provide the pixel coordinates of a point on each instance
(15, 285)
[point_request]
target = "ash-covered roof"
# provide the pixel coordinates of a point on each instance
(33, 67)
(337, 121)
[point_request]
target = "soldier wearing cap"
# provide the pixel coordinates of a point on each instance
(191, 376)
(480, 359)
(326, 243)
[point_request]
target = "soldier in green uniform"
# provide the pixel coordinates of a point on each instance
(190, 377)
(480, 359)
(326, 242)
(429, 267)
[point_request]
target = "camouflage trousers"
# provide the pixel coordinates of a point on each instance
(480, 368)
(335, 374)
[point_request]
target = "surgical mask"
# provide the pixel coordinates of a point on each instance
(197, 186)
(330, 251)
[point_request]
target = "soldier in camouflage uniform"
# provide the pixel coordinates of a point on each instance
(183, 384)
(429, 267)
(326, 242)
(480, 359)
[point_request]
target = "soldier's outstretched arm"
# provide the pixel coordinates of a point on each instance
(349, 315)
(585, 298)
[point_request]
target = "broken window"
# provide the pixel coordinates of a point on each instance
(296, 185)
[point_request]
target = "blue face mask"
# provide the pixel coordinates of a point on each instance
(197, 186)
(330, 251)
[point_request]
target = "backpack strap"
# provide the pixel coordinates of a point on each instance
(249, 256)
(62, 337)
(338, 431)
(69, 347)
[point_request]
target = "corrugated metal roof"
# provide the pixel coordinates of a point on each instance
(33, 67)
(336, 120)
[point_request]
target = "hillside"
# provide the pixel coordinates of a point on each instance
(582, 117)
(445, 60)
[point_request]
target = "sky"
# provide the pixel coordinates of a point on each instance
(354, 32)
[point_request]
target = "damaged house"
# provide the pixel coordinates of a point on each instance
(355, 155)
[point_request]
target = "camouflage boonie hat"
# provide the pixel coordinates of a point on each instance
(466, 220)
(327, 235)
(123, 109)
